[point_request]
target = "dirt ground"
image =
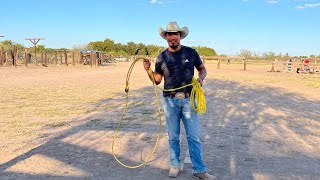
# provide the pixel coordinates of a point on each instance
(59, 122)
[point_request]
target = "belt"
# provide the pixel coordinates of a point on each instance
(179, 95)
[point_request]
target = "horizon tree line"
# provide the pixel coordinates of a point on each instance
(130, 48)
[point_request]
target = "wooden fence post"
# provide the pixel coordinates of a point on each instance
(73, 60)
(42, 60)
(91, 59)
(97, 59)
(56, 57)
(6, 56)
(102, 57)
(81, 58)
(35, 55)
(17, 54)
(45, 58)
(66, 57)
(219, 61)
(25, 58)
(2, 56)
(13, 55)
(60, 58)
(272, 68)
(244, 64)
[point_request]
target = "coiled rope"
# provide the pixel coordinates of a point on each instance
(196, 95)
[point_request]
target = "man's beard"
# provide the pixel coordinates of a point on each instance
(173, 46)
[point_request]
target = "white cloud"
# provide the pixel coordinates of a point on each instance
(272, 1)
(305, 6)
(156, 2)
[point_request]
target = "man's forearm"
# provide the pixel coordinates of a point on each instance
(157, 78)
(202, 73)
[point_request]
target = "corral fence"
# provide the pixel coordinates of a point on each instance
(27, 57)
(226, 60)
(293, 65)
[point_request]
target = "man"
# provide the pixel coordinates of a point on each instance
(176, 64)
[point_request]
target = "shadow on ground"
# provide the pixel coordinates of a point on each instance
(247, 133)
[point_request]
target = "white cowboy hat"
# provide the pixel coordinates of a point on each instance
(174, 27)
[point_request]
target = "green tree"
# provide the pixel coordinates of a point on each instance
(98, 45)
(20, 47)
(154, 50)
(269, 55)
(205, 51)
(50, 50)
(312, 56)
(130, 48)
(7, 43)
(41, 48)
(109, 45)
(287, 56)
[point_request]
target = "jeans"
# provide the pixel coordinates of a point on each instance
(176, 109)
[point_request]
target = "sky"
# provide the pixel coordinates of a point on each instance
(228, 26)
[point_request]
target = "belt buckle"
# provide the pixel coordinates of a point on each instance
(179, 95)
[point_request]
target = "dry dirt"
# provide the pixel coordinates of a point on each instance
(59, 122)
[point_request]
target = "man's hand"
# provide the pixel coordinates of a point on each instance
(157, 77)
(146, 64)
(200, 81)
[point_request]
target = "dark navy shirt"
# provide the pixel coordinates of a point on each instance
(177, 68)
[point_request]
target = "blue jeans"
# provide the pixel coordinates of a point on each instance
(176, 109)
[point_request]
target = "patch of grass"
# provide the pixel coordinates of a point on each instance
(96, 122)
(147, 139)
(312, 82)
(57, 124)
(316, 133)
(148, 111)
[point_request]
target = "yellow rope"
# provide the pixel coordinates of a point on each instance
(196, 94)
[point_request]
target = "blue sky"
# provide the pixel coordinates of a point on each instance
(281, 26)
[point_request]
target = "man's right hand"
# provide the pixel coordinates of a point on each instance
(146, 64)
(157, 77)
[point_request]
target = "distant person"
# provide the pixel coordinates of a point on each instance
(306, 65)
(289, 65)
(176, 65)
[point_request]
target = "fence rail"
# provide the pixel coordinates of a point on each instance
(14, 57)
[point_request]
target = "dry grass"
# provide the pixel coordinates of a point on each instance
(35, 98)
(257, 74)
(52, 97)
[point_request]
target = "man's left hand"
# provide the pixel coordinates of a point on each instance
(200, 81)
